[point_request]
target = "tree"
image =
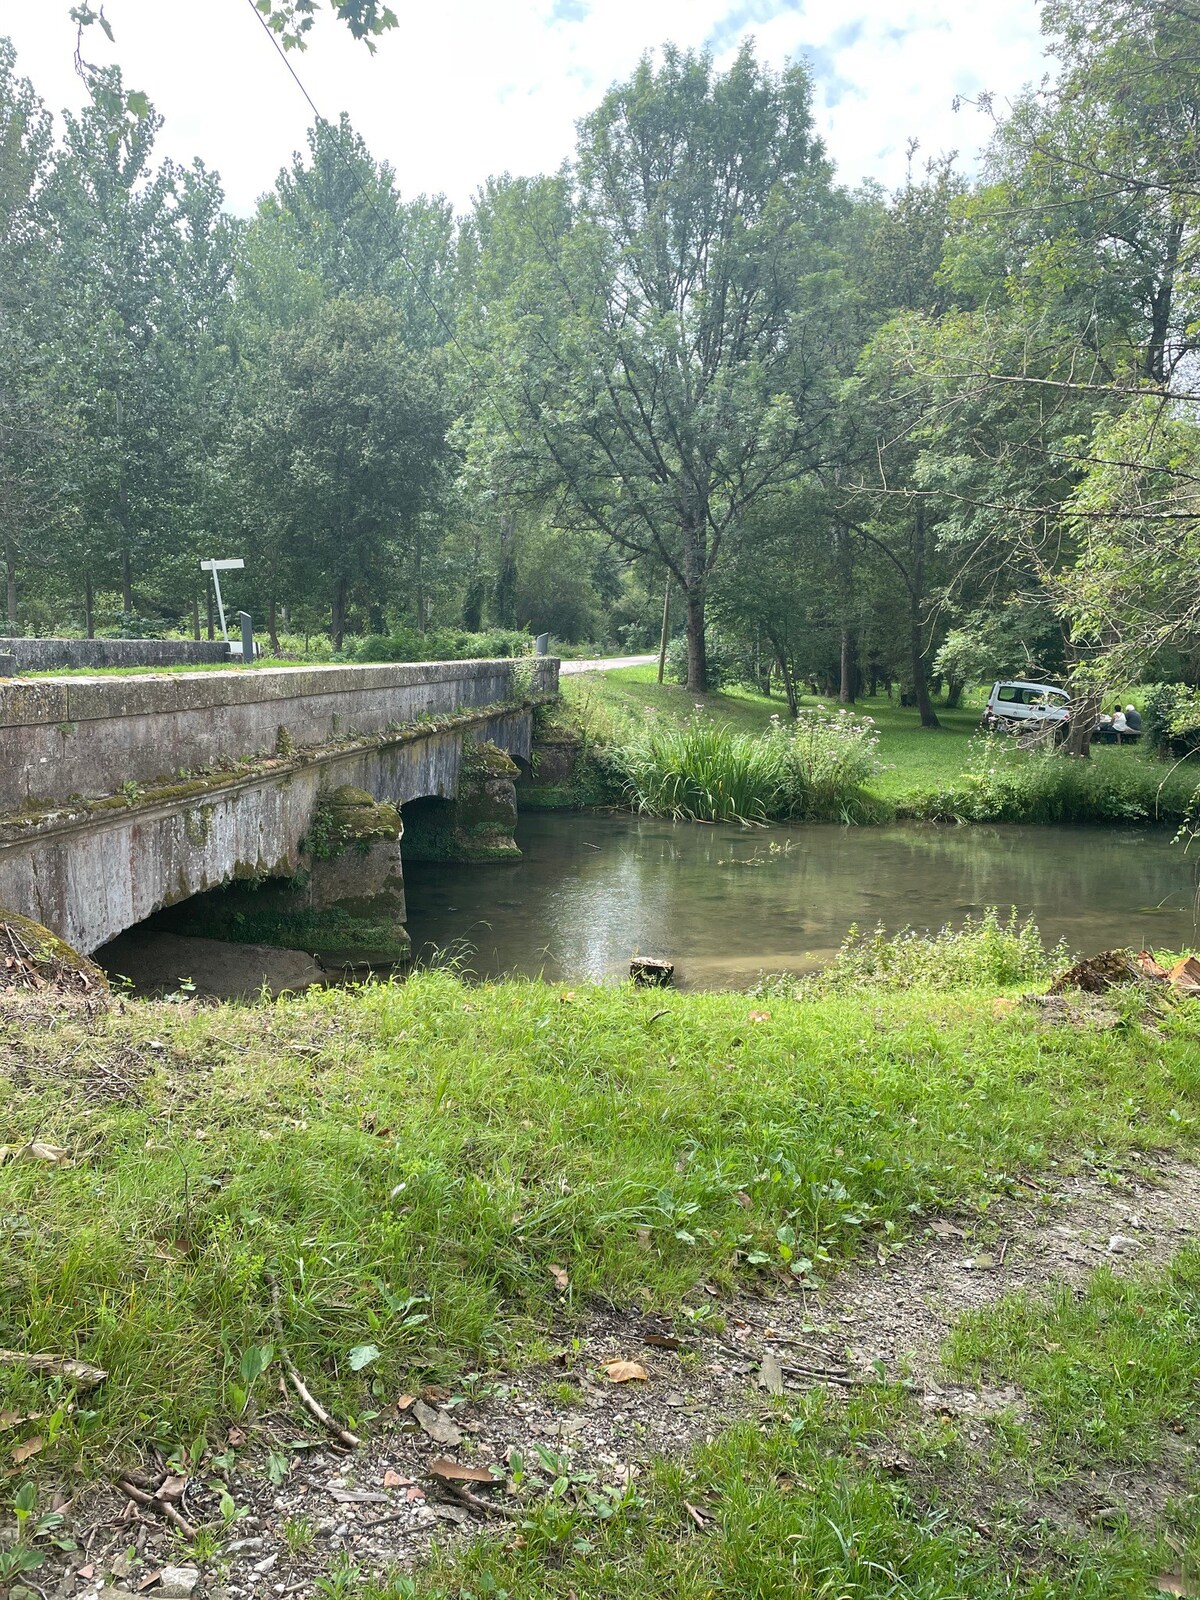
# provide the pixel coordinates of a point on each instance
(342, 454)
(664, 361)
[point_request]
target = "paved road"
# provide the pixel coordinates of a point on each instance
(606, 664)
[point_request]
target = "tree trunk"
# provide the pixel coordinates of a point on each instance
(1156, 367)
(337, 613)
(848, 686)
(504, 594)
(1084, 713)
(662, 638)
(89, 606)
(954, 692)
(789, 686)
(195, 617)
(273, 627)
(697, 654)
(212, 625)
(920, 674)
(920, 670)
(10, 576)
(848, 665)
(126, 582)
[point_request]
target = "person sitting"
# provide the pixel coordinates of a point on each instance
(1103, 733)
(1119, 726)
(1133, 721)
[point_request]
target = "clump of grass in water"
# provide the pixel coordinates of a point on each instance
(703, 771)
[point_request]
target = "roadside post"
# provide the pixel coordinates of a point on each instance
(247, 628)
(542, 644)
(216, 567)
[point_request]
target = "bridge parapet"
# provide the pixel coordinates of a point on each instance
(88, 738)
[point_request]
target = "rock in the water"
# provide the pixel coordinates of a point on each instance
(649, 973)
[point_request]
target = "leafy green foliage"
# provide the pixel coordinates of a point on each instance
(812, 769)
(984, 951)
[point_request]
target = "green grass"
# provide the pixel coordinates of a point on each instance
(928, 772)
(1113, 1371)
(406, 1162)
(795, 1509)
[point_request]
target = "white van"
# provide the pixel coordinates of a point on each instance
(1016, 704)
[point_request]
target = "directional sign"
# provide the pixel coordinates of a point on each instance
(221, 566)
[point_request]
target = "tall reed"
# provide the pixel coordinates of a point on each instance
(704, 771)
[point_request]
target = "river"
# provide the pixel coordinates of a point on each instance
(726, 904)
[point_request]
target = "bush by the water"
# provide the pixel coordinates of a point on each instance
(439, 644)
(983, 952)
(1012, 785)
(1171, 718)
(703, 771)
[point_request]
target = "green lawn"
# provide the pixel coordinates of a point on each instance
(433, 1141)
(416, 1166)
(914, 760)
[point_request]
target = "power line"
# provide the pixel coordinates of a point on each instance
(386, 224)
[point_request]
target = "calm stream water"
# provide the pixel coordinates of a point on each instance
(726, 904)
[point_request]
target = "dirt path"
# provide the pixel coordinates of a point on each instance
(380, 1506)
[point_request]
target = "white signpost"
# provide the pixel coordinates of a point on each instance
(221, 566)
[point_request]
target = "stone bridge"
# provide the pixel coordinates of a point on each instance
(120, 796)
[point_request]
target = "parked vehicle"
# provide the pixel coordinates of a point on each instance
(1016, 705)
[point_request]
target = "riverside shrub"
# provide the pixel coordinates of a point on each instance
(1013, 785)
(703, 771)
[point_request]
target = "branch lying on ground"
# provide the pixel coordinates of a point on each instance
(307, 1400)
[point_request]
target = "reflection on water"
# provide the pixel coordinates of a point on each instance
(725, 905)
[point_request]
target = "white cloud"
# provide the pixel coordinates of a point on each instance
(471, 87)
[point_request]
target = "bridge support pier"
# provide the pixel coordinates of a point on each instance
(479, 822)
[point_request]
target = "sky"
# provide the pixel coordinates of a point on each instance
(467, 88)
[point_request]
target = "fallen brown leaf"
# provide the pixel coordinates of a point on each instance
(1174, 1583)
(945, 1230)
(700, 1518)
(149, 1580)
(437, 1424)
(22, 1452)
(171, 1488)
(663, 1341)
(642, 1235)
(15, 1419)
(396, 1480)
(625, 1371)
(403, 1401)
(235, 1436)
(770, 1374)
(413, 1493)
(459, 1472)
(760, 1016)
(560, 1276)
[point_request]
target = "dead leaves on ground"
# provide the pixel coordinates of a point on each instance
(81, 1373)
(625, 1372)
(437, 1425)
(36, 1150)
(460, 1472)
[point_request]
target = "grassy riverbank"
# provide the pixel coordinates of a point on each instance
(947, 773)
(409, 1162)
(441, 1181)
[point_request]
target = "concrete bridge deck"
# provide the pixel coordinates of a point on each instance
(123, 795)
